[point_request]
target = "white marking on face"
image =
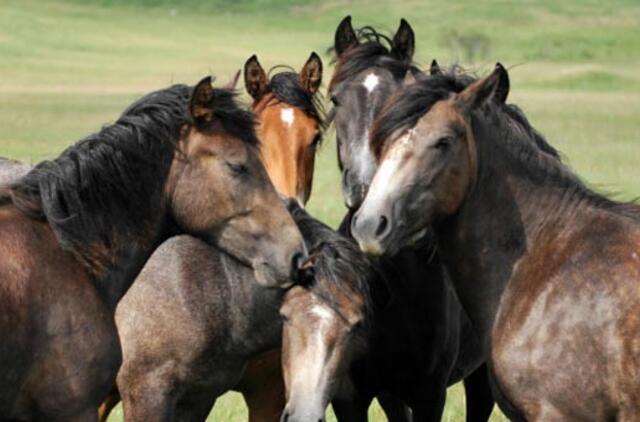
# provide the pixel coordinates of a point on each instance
(287, 116)
(370, 82)
(390, 166)
(322, 312)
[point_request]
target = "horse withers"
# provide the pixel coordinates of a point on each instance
(77, 230)
(547, 268)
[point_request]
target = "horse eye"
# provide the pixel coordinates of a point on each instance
(238, 168)
(443, 143)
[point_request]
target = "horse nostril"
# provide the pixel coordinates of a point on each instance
(382, 226)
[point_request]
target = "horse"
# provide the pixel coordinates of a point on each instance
(188, 287)
(77, 230)
(369, 68)
(547, 268)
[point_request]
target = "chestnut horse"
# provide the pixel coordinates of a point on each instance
(77, 230)
(369, 68)
(187, 288)
(547, 269)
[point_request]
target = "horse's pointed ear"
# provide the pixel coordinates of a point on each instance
(231, 85)
(345, 37)
(311, 73)
(404, 42)
(202, 99)
(409, 79)
(482, 91)
(255, 78)
(434, 69)
(502, 91)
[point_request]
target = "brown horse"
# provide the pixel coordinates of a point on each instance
(164, 379)
(77, 230)
(547, 269)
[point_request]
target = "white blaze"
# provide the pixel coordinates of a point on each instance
(287, 116)
(370, 82)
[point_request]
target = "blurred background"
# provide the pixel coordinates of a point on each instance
(69, 66)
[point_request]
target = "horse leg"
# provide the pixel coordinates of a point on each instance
(395, 409)
(430, 405)
(107, 405)
(262, 387)
(478, 395)
(195, 408)
(351, 410)
(266, 405)
(148, 396)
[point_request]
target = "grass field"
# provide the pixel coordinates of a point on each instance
(67, 67)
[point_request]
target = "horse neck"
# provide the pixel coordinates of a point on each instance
(507, 213)
(254, 317)
(126, 257)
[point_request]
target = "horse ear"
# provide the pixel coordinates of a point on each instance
(435, 68)
(480, 92)
(201, 104)
(404, 42)
(502, 91)
(345, 37)
(311, 73)
(231, 85)
(255, 78)
(409, 79)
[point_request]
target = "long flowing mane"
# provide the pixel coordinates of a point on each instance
(373, 50)
(341, 264)
(531, 152)
(113, 180)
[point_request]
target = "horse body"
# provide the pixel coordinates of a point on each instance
(160, 378)
(546, 268)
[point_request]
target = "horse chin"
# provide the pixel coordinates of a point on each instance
(267, 276)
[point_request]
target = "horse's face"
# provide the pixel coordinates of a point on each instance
(289, 135)
(319, 342)
(356, 103)
(357, 99)
(424, 173)
(219, 191)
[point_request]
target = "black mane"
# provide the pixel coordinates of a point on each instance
(339, 262)
(532, 152)
(373, 50)
(286, 87)
(408, 105)
(109, 184)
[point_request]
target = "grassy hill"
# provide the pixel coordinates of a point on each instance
(67, 67)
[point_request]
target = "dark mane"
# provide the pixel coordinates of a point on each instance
(531, 151)
(340, 263)
(286, 87)
(403, 110)
(374, 50)
(110, 183)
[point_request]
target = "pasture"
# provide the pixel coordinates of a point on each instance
(68, 67)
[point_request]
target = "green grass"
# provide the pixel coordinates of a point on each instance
(68, 67)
